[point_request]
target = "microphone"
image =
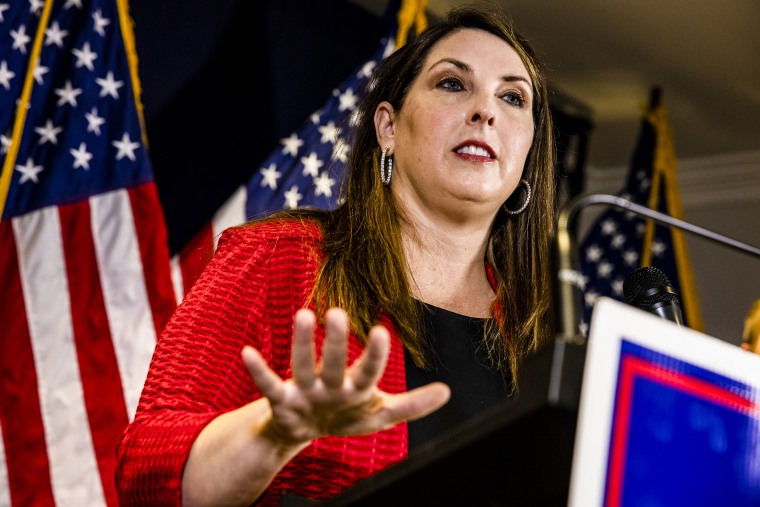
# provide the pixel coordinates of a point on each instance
(648, 289)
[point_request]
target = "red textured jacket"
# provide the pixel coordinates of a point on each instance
(248, 294)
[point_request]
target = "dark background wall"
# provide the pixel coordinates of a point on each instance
(224, 81)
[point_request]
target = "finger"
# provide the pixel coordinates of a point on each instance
(334, 350)
(302, 355)
(416, 403)
(268, 382)
(367, 370)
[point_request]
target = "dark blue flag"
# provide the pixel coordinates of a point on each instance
(307, 168)
(620, 242)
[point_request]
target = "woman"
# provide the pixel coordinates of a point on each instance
(430, 281)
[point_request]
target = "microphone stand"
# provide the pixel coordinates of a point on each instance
(567, 290)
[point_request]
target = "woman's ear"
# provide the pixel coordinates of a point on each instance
(384, 116)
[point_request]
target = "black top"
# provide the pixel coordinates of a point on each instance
(461, 362)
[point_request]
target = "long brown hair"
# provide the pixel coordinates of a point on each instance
(364, 267)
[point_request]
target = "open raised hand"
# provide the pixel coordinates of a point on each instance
(329, 397)
(236, 455)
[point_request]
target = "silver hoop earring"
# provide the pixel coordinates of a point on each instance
(528, 193)
(385, 176)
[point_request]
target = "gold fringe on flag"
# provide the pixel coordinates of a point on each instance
(664, 173)
(23, 106)
(751, 333)
(127, 34)
(411, 11)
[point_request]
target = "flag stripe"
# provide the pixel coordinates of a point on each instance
(25, 455)
(127, 306)
(5, 493)
(97, 358)
(152, 241)
(230, 214)
(177, 282)
(38, 235)
(187, 266)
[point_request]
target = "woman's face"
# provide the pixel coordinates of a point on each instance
(462, 137)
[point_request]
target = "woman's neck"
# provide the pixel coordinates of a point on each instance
(445, 266)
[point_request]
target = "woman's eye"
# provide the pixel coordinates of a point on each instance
(514, 98)
(451, 84)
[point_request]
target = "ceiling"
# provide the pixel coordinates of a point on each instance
(607, 55)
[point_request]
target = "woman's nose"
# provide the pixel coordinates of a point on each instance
(483, 112)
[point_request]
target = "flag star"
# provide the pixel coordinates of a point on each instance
(68, 94)
(29, 171)
(367, 69)
(590, 297)
(81, 157)
(85, 57)
(604, 269)
(315, 117)
(583, 327)
(641, 173)
(54, 35)
(581, 281)
(324, 184)
(3, 8)
(72, 3)
(290, 145)
(5, 143)
(609, 227)
(39, 72)
(311, 165)
(36, 5)
(593, 253)
(269, 176)
(631, 257)
(340, 151)
(641, 228)
(125, 147)
(390, 47)
(658, 247)
(645, 184)
(347, 100)
(617, 286)
(109, 86)
(94, 121)
(6, 75)
(48, 133)
(618, 240)
(100, 22)
(329, 133)
(20, 39)
(292, 197)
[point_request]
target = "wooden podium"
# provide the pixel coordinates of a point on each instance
(518, 453)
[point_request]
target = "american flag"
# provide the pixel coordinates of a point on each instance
(84, 259)
(620, 242)
(305, 170)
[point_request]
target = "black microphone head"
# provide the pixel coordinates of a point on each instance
(639, 284)
(648, 289)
